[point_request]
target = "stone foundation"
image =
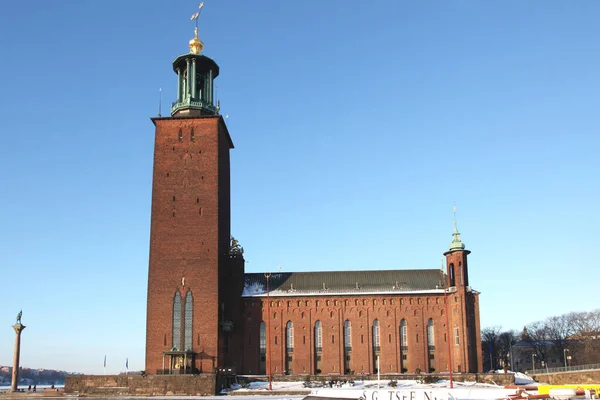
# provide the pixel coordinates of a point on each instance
(142, 385)
(575, 377)
(498, 379)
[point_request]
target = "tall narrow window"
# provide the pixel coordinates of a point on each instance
(318, 346)
(376, 335)
(188, 320)
(318, 336)
(177, 321)
(456, 337)
(347, 335)
(289, 337)
(430, 334)
(452, 280)
(263, 338)
(403, 334)
(192, 135)
(403, 346)
(289, 347)
(430, 346)
(347, 347)
(376, 346)
(180, 136)
(263, 347)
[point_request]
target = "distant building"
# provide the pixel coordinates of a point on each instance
(540, 354)
(205, 314)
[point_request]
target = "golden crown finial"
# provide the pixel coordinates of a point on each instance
(196, 44)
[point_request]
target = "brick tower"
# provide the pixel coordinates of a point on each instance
(463, 308)
(190, 309)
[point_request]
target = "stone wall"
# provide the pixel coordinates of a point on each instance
(141, 385)
(576, 377)
(499, 379)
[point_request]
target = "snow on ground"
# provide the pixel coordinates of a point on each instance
(401, 390)
(523, 379)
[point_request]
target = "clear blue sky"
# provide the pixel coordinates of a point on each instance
(356, 125)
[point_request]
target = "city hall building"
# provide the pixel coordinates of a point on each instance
(206, 315)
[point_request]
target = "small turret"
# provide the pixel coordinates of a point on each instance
(456, 259)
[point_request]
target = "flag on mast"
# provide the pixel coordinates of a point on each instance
(105, 361)
(127, 363)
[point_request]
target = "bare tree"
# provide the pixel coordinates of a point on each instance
(586, 331)
(505, 342)
(559, 330)
(538, 338)
(489, 346)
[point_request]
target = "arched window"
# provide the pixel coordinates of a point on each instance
(376, 347)
(430, 333)
(347, 335)
(177, 321)
(188, 320)
(318, 347)
(376, 335)
(403, 334)
(347, 347)
(289, 337)
(318, 336)
(180, 135)
(451, 270)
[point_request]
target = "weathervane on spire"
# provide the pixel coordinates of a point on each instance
(454, 211)
(196, 44)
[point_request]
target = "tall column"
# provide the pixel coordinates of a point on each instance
(209, 86)
(179, 97)
(189, 79)
(193, 89)
(18, 327)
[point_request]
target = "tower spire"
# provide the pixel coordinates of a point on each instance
(454, 212)
(195, 79)
(196, 44)
(456, 244)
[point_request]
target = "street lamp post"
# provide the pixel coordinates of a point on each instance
(533, 361)
(565, 356)
(268, 275)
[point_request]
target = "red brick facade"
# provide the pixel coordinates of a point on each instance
(361, 311)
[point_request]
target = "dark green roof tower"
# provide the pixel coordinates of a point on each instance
(195, 82)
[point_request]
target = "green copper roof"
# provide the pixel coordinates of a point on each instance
(456, 244)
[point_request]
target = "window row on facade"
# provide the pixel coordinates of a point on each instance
(319, 342)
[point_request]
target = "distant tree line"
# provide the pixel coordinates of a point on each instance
(552, 336)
